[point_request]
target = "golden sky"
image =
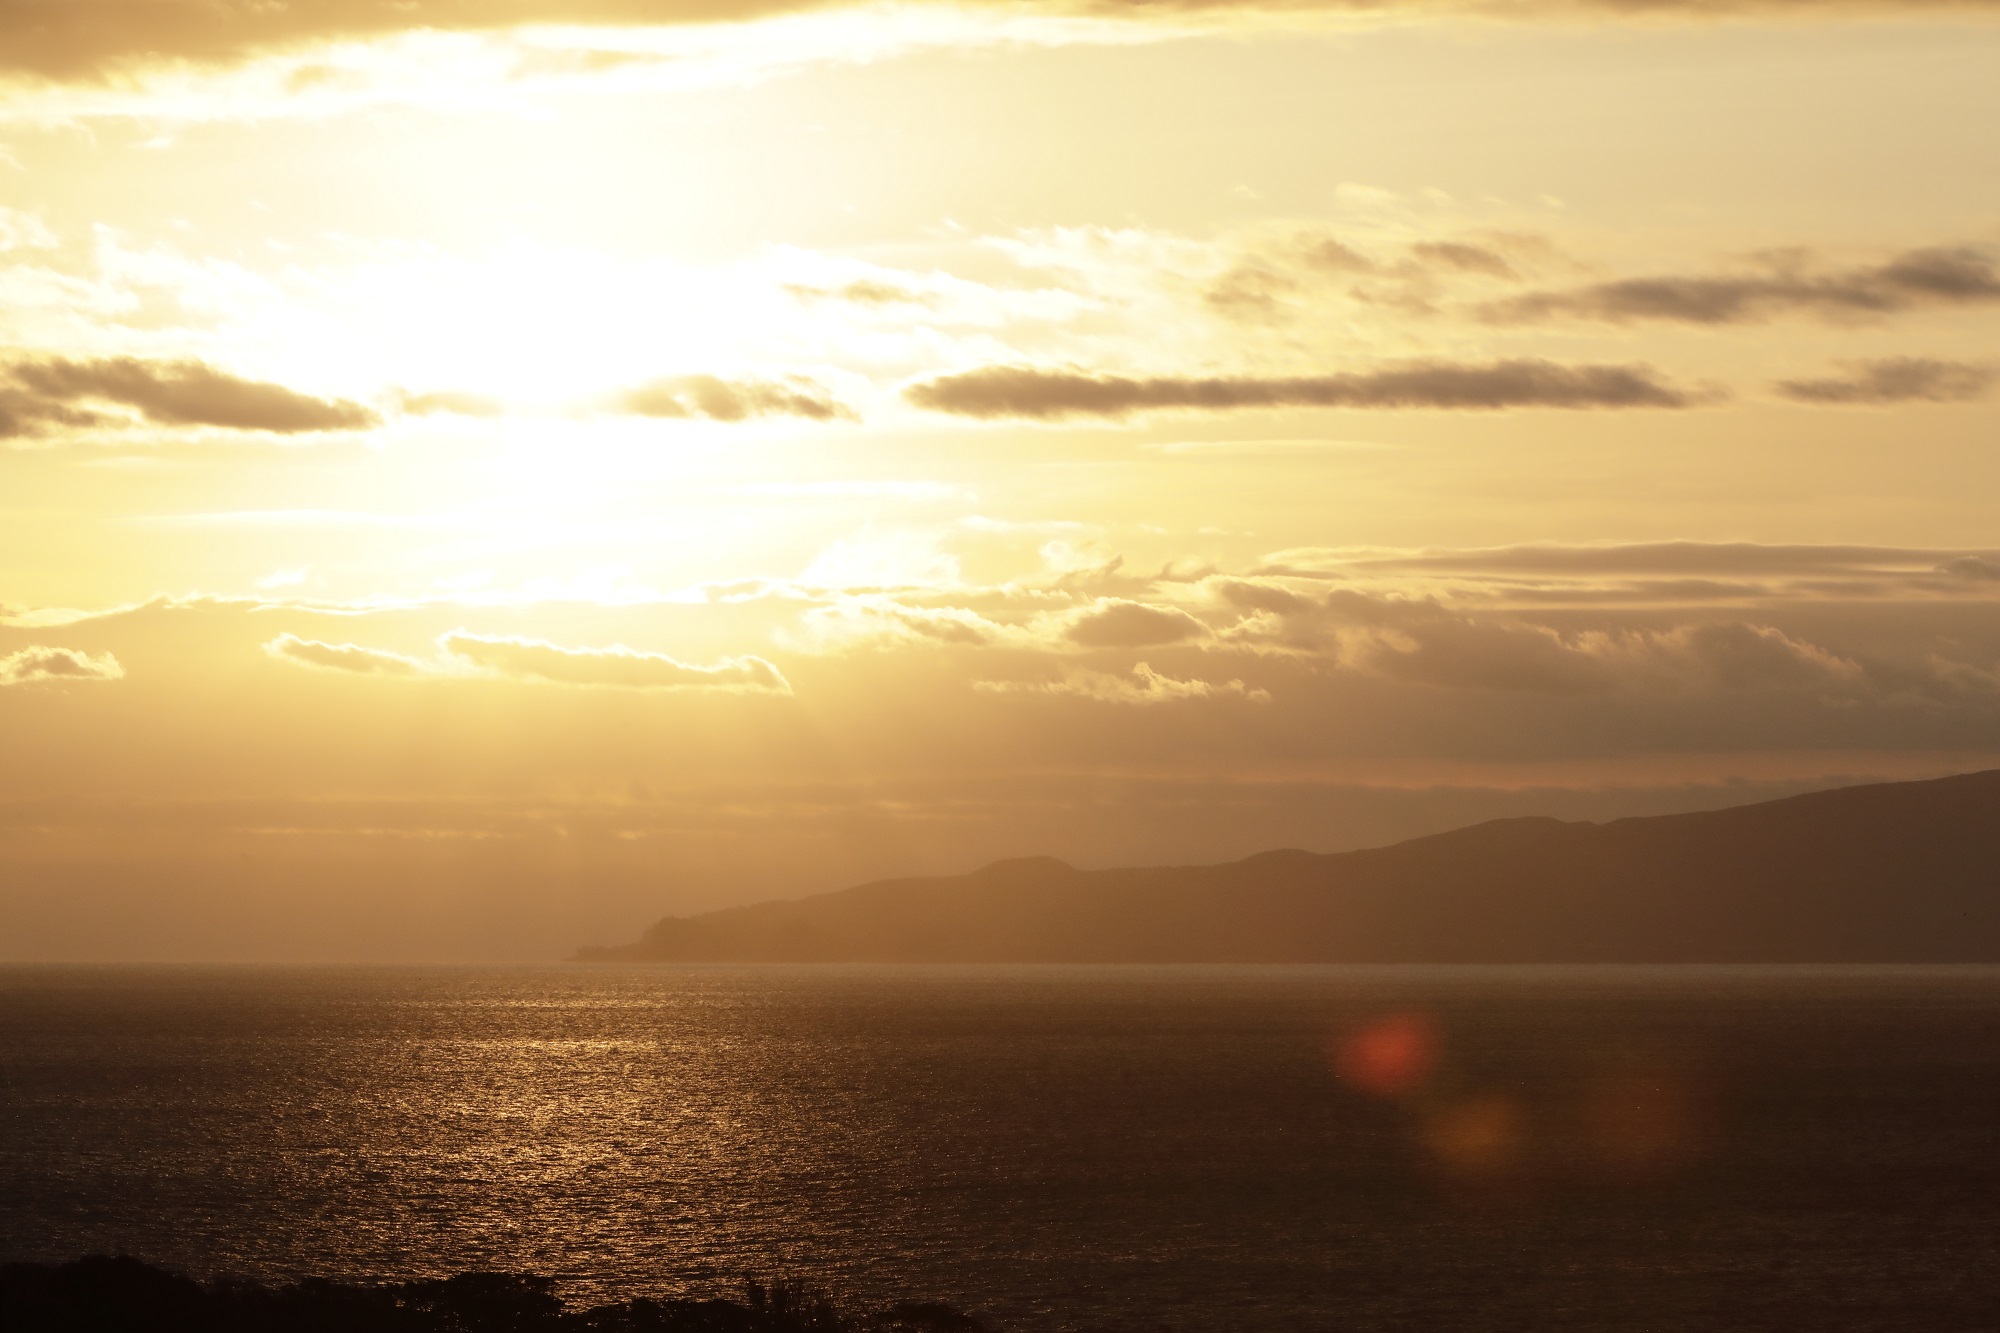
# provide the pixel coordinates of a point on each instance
(476, 475)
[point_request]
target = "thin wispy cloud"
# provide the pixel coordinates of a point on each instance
(864, 292)
(1896, 380)
(348, 657)
(615, 667)
(686, 397)
(1142, 686)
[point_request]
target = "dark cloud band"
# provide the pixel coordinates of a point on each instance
(1929, 277)
(38, 396)
(1028, 392)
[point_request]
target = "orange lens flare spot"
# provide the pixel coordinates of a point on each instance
(1481, 1136)
(1390, 1056)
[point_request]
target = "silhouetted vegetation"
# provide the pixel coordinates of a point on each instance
(99, 1294)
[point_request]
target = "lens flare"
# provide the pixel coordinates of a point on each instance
(1390, 1056)
(1480, 1137)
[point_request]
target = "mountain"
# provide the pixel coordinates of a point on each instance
(1893, 872)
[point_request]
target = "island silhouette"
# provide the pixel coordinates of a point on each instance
(1901, 872)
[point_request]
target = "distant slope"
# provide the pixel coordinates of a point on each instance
(1895, 872)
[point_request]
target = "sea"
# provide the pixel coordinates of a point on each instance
(1052, 1148)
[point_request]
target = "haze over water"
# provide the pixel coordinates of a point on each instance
(1062, 1148)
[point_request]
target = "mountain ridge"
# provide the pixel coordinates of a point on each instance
(1882, 872)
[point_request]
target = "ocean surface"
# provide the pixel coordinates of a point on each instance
(1059, 1148)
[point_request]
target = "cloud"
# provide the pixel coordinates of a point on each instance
(1737, 655)
(1896, 380)
(23, 413)
(1403, 636)
(448, 401)
(23, 231)
(40, 663)
(1464, 258)
(618, 666)
(687, 396)
(1251, 595)
(537, 660)
(874, 620)
(1274, 276)
(1061, 617)
(1662, 619)
(1977, 568)
(1887, 568)
(863, 291)
(1027, 391)
(1112, 623)
(342, 657)
(89, 39)
(1420, 640)
(1143, 686)
(1251, 291)
(92, 39)
(37, 395)
(1932, 276)
(1680, 573)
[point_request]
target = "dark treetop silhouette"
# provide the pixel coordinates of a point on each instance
(1904, 872)
(122, 1295)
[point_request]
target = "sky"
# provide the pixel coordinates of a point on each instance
(479, 475)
